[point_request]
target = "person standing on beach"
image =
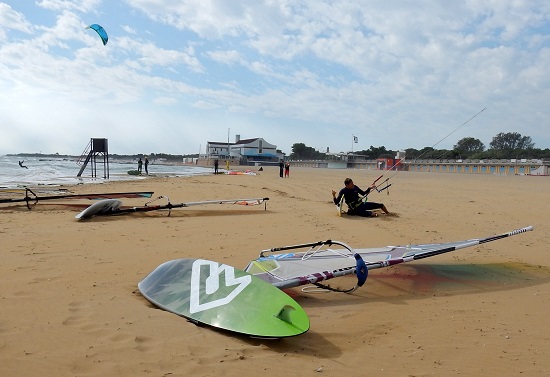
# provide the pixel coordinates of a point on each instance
(140, 164)
(356, 206)
(287, 170)
(146, 166)
(281, 168)
(216, 164)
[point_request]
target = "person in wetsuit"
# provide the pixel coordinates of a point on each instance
(356, 206)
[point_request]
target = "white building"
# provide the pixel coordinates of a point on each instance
(255, 151)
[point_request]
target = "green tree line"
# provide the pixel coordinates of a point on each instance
(505, 145)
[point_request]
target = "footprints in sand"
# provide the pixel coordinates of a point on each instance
(78, 318)
(95, 329)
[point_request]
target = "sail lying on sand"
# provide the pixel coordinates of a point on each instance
(110, 207)
(311, 263)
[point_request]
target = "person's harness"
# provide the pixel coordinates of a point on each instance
(355, 204)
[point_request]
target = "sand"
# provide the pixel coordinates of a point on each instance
(70, 304)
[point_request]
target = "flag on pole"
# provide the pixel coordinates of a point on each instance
(355, 139)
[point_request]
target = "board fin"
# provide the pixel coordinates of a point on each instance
(284, 313)
(339, 208)
(361, 270)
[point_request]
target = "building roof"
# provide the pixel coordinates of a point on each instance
(247, 141)
(220, 142)
(242, 141)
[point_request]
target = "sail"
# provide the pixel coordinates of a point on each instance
(292, 266)
(109, 208)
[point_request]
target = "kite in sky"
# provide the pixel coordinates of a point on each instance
(100, 31)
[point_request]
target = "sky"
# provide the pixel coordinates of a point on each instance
(175, 75)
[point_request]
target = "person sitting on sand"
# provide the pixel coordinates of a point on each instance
(21, 164)
(356, 206)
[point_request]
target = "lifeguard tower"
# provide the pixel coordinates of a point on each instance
(96, 151)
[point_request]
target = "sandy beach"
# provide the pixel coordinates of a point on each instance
(70, 304)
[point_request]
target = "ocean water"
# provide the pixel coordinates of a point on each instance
(63, 171)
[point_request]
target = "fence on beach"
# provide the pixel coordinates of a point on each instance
(511, 167)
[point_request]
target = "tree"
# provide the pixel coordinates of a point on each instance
(426, 153)
(511, 141)
(469, 146)
(375, 152)
(300, 151)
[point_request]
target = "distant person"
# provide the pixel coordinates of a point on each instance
(216, 164)
(287, 170)
(21, 164)
(146, 166)
(356, 206)
(140, 164)
(281, 168)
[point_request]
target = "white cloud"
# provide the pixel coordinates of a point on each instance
(165, 101)
(226, 57)
(72, 5)
(149, 56)
(129, 29)
(12, 20)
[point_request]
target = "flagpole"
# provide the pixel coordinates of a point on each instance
(228, 151)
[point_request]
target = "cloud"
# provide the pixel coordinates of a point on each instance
(12, 20)
(72, 5)
(226, 57)
(148, 56)
(165, 101)
(129, 29)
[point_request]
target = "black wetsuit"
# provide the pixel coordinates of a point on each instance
(355, 205)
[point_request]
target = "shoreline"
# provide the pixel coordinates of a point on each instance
(62, 172)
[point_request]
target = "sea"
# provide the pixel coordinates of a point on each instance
(50, 171)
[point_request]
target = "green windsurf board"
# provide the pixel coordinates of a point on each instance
(224, 297)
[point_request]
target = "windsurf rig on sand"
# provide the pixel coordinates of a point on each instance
(247, 302)
(112, 207)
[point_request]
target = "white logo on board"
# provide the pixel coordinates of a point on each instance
(212, 284)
